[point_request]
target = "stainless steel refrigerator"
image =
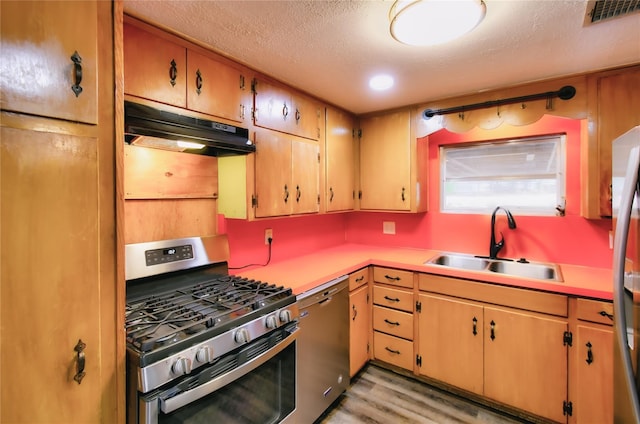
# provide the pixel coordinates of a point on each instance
(626, 276)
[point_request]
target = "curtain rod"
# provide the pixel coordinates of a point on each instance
(565, 93)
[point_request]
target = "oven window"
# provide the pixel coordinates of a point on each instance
(264, 395)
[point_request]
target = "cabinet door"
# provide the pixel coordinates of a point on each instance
(306, 117)
(525, 362)
(616, 104)
(273, 106)
(339, 160)
(451, 342)
(214, 87)
(154, 67)
(273, 186)
(37, 42)
(385, 162)
(50, 269)
(593, 350)
(359, 329)
(305, 169)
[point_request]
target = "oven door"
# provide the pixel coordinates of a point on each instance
(255, 385)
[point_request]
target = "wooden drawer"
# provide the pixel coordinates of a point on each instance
(358, 278)
(393, 350)
(595, 311)
(395, 323)
(393, 298)
(392, 276)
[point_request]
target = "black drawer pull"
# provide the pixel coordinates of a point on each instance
(396, 352)
(391, 322)
(493, 330)
(475, 326)
(605, 314)
(173, 72)
(392, 299)
(388, 277)
(589, 353)
(359, 279)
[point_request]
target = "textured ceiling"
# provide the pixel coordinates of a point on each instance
(331, 48)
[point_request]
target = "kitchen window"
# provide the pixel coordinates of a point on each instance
(525, 175)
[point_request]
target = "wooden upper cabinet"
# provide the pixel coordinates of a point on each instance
(614, 106)
(339, 161)
(155, 68)
(278, 108)
(286, 175)
(215, 88)
(392, 164)
(48, 56)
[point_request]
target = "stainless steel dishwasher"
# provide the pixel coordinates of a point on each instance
(323, 348)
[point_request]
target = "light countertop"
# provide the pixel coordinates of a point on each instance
(305, 272)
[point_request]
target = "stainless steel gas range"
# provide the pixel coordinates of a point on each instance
(202, 345)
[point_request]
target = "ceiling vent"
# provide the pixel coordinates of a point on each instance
(602, 10)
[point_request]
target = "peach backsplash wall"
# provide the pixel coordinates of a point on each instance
(570, 239)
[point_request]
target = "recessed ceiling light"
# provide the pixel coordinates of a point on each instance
(381, 82)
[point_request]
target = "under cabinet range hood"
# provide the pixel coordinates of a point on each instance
(150, 127)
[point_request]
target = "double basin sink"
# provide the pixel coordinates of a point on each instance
(521, 268)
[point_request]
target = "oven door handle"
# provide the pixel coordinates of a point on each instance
(176, 402)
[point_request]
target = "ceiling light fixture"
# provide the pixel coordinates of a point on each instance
(381, 82)
(431, 22)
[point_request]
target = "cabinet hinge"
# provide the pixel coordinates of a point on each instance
(254, 84)
(241, 82)
(254, 201)
(367, 347)
(567, 408)
(568, 338)
(367, 298)
(418, 306)
(419, 360)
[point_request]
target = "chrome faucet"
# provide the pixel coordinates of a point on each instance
(494, 248)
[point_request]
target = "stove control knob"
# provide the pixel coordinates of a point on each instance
(285, 316)
(182, 366)
(204, 354)
(242, 336)
(272, 322)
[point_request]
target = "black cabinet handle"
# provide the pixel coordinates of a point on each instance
(589, 353)
(80, 361)
(493, 330)
(391, 322)
(359, 279)
(198, 82)
(388, 277)
(77, 73)
(298, 193)
(285, 111)
(392, 299)
(402, 194)
(475, 326)
(605, 314)
(286, 193)
(173, 72)
(355, 312)
(396, 352)
(297, 116)
(331, 194)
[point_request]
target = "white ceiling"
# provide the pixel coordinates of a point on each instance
(330, 49)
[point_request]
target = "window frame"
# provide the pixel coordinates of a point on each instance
(561, 175)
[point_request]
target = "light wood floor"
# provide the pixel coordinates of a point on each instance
(377, 395)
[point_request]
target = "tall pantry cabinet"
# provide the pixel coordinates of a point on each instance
(58, 276)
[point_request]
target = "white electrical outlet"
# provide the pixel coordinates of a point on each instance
(388, 227)
(268, 234)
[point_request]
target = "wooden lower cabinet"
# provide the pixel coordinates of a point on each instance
(359, 325)
(451, 341)
(591, 363)
(525, 361)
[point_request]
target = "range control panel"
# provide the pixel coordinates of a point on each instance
(168, 254)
